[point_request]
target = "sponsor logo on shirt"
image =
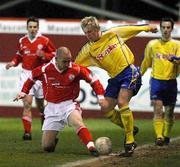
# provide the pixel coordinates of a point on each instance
(27, 51)
(107, 51)
(55, 84)
(161, 56)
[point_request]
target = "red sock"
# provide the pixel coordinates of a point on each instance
(84, 135)
(27, 121)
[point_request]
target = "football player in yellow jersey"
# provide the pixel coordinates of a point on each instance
(162, 56)
(108, 51)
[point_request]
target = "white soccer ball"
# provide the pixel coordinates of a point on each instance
(103, 145)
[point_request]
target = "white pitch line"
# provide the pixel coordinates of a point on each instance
(83, 162)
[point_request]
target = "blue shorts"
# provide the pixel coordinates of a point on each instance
(129, 78)
(165, 90)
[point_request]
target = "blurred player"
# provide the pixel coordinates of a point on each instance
(108, 51)
(161, 55)
(60, 79)
(34, 50)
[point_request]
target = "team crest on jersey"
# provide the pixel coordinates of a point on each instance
(40, 46)
(71, 77)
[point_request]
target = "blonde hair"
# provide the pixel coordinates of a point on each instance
(90, 21)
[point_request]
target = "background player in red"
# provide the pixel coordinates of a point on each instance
(60, 79)
(34, 50)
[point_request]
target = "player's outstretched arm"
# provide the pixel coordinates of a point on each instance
(25, 90)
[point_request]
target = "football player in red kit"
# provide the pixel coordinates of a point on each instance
(61, 86)
(34, 50)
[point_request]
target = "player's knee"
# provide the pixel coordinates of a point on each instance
(78, 125)
(169, 113)
(168, 116)
(123, 103)
(27, 106)
(158, 114)
(49, 148)
(41, 109)
(106, 106)
(103, 109)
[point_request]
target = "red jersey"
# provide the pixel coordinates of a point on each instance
(61, 86)
(26, 52)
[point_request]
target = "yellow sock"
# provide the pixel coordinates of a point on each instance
(158, 127)
(168, 120)
(167, 127)
(128, 123)
(115, 117)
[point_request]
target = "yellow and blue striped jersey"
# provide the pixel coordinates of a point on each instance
(155, 51)
(110, 52)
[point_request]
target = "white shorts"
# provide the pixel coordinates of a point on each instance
(56, 115)
(36, 90)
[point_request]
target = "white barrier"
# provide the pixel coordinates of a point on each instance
(141, 102)
(16, 26)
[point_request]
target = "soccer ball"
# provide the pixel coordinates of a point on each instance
(103, 145)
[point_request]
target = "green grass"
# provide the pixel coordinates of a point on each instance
(14, 152)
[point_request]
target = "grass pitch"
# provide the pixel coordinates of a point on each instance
(14, 152)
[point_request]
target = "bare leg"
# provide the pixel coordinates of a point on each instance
(49, 140)
(40, 107)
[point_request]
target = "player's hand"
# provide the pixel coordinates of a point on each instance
(19, 96)
(40, 54)
(9, 65)
(173, 57)
(153, 29)
(168, 57)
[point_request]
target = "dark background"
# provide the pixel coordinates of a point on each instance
(52, 9)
